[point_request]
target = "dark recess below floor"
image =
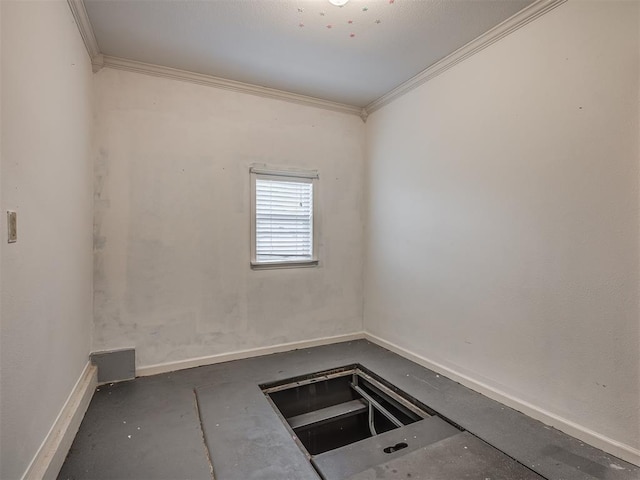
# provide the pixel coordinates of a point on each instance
(149, 428)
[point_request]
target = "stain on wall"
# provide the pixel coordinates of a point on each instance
(171, 251)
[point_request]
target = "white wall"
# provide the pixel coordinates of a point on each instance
(47, 178)
(503, 218)
(172, 275)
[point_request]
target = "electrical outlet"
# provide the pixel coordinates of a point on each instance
(12, 227)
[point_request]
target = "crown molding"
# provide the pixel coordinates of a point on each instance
(99, 61)
(510, 25)
(208, 80)
(84, 26)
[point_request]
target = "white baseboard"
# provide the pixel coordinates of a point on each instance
(609, 445)
(52, 452)
(241, 354)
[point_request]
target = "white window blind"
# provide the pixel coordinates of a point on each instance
(283, 220)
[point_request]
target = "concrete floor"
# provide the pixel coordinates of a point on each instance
(159, 427)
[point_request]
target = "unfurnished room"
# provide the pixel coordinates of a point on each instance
(320, 239)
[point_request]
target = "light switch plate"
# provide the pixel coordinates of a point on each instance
(12, 227)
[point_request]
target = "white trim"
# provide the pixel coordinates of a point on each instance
(242, 354)
(510, 25)
(211, 81)
(284, 172)
(364, 114)
(84, 26)
(280, 265)
(47, 462)
(99, 61)
(609, 445)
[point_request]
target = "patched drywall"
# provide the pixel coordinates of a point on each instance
(46, 299)
(172, 274)
(502, 232)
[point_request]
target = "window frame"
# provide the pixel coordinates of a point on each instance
(284, 174)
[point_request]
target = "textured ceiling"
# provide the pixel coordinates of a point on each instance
(304, 46)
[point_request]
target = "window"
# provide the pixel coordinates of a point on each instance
(283, 227)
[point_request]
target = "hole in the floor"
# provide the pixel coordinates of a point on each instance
(332, 409)
(395, 448)
(349, 419)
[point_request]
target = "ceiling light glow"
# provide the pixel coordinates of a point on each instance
(338, 3)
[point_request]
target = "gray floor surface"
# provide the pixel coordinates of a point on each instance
(159, 427)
